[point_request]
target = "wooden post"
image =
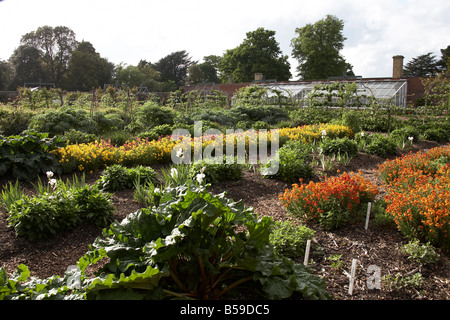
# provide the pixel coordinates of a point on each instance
(352, 277)
(308, 246)
(368, 215)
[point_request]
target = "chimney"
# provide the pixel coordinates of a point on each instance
(259, 77)
(397, 71)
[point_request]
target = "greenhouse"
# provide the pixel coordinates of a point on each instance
(390, 91)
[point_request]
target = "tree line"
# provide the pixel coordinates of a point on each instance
(53, 55)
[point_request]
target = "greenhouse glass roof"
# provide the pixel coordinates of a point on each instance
(381, 89)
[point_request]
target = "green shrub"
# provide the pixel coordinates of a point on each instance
(218, 169)
(74, 136)
(14, 122)
(243, 124)
(381, 146)
(422, 254)
(294, 162)
(195, 245)
(109, 122)
(403, 134)
(261, 125)
(156, 132)
(378, 122)
(437, 134)
(221, 117)
(149, 135)
(57, 122)
(117, 177)
(339, 146)
(289, 239)
(334, 217)
(266, 113)
(150, 115)
(93, 205)
(312, 115)
(117, 137)
(64, 208)
(352, 120)
(27, 155)
(43, 216)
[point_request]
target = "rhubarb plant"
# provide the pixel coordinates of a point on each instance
(190, 244)
(194, 244)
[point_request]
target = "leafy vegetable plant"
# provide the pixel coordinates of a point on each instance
(52, 210)
(117, 177)
(294, 162)
(194, 245)
(27, 155)
(224, 168)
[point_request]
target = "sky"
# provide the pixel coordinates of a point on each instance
(134, 30)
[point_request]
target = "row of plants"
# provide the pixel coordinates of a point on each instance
(56, 206)
(90, 119)
(297, 157)
(332, 202)
(61, 205)
(99, 154)
(184, 243)
(27, 155)
(419, 195)
(417, 199)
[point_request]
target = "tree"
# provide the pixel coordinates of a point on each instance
(28, 66)
(129, 76)
(204, 72)
(173, 68)
(151, 76)
(87, 69)
(6, 72)
(55, 46)
(317, 48)
(258, 53)
(421, 66)
(444, 63)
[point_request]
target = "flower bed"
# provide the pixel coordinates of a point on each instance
(311, 133)
(100, 154)
(418, 197)
(330, 202)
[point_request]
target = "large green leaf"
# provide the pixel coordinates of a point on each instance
(137, 285)
(193, 244)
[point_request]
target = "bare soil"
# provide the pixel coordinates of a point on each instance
(378, 246)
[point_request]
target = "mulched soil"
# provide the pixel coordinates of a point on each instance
(377, 246)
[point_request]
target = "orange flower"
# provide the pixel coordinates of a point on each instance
(418, 198)
(344, 193)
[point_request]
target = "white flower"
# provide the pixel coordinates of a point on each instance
(324, 133)
(157, 190)
(53, 183)
(180, 153)
(200, 177)
(362, 133)
(49, 174)
(173, 173)
(411, 138)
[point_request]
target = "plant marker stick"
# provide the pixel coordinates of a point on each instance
(368, 215)
(308, 246)
(352, 277)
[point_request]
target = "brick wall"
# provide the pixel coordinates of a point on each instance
(415, 90)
